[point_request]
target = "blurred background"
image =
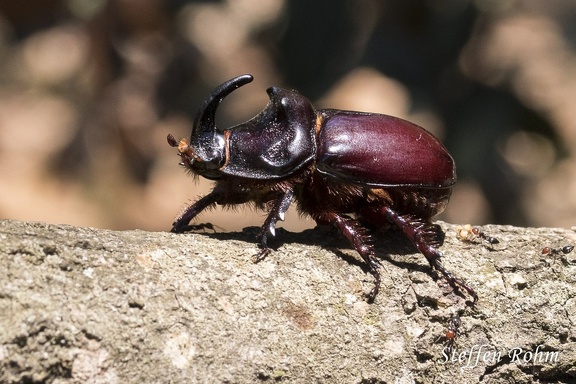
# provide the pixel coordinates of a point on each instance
(89, 89)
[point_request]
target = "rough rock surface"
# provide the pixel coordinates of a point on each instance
(100, 306)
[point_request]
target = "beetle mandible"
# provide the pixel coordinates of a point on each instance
(357, 171)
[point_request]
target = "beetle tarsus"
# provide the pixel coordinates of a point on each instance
(360, 240)
(178, 226)
(196, 227)
(279, 208)
(375, 289)
(264, 251)
(420, 234)
(454, 281)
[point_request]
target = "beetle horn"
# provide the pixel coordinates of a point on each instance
(205, 118)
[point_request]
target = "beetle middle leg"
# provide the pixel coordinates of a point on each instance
(360, 240)
(279, 208)
(422, 235)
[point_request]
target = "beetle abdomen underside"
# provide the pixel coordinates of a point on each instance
(320, 194)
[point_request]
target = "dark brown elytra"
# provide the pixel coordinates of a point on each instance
(356, 171)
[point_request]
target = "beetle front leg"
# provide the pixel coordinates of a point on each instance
(181, 223)
(421, 234)
(278, 211)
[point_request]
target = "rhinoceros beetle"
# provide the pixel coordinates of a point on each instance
(357, 171)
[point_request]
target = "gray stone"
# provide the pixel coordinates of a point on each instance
(101, 306)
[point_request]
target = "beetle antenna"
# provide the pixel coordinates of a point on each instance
(172, 140)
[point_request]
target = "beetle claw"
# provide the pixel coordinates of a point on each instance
(454, 281)
(263, 243)
(264, 251)
(373, 292)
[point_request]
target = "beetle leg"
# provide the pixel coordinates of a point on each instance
(181, 223)
(420, 234)
(360, 240)
(280, 207)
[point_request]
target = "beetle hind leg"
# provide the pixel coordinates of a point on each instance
(424, 236)
(360, 239)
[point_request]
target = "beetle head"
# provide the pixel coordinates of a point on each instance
(205, 152)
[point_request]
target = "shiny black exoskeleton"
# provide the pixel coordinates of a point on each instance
(356, 171)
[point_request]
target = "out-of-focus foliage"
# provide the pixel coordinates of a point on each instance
(90, 88)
